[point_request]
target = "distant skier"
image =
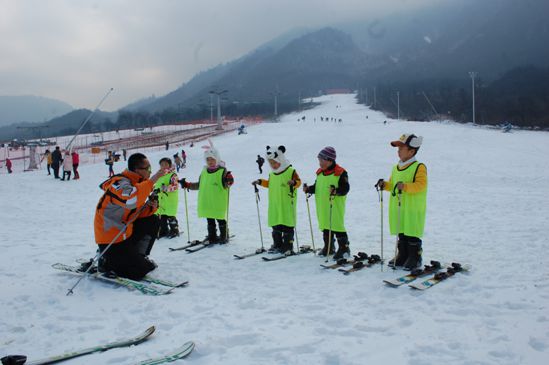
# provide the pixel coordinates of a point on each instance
(167, 145)
(410, 177)
(47, 156)
(8, 165)
(168, 200)
(67, 166)
(57, 158)
(283, 183)
(75, 162)
(260, 161)
(213, 194)
(331, 188)
(177, 161)
(125, 195)
(109, 161)
(124, 153)
(183, 158)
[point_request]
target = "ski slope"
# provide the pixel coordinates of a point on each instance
(487, 206)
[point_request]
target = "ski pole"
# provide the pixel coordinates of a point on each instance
(310, 222)
(227, 218)
(100, 254)
(380, 193)
(399, 197)
(330, 232)
(258, 216)
(187, 216)
(88, 118)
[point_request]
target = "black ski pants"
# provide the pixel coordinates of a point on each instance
(129, 257)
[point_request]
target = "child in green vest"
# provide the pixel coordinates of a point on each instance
(330, 189)
(282, 184)
(168, 199)
(410, 177)
(213, 195)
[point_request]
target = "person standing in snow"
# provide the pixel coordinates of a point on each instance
(177, 161)
(410, 177)
(75, 162)
(57, 158)
(331, 188)
(47, 156)
(283, 183)
(124, 196)
(260, 161)
(213, 194)
(8, 165)
(184, 158)
(168, 200)
(67, 166)
(109, 161)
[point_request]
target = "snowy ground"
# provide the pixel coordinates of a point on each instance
(487, 205)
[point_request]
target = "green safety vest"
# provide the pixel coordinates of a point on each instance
(212, 195)
(413, 206)
(167, 202)
(322, 200)
(282, 199)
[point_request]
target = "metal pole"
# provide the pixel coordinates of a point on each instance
(258, 216)
(89, 117)
(330, 232)
(187, 216)
(276, 105)
(310, 222)
(218, 113)
(398, 105)
(473, 75)
(211, 108)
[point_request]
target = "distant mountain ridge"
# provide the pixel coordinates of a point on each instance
(30, 108)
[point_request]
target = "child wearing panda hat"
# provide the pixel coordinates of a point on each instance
(332, 184)
(213, 194)
(283, 183)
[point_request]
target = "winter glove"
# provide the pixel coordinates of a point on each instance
(291, 182)
(229, 179)
(184, 184)
(256, 182)
(380, 184)
(333, 190)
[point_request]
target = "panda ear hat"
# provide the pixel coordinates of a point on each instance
(278, 156)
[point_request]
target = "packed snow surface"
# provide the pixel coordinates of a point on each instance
(487, 206)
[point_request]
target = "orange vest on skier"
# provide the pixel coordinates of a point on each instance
(124, 195)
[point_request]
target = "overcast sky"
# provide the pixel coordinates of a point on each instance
(76, 50)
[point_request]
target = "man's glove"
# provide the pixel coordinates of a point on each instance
(380, 184)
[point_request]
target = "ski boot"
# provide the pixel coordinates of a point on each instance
(174, 227)
(223, 236)
(277, 242)
(414, 256)
(343, 250)
(402, 254)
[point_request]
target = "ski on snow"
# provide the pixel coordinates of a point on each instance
(440, 276)
(359, 265)
(414, 274)
(259, 251)
(361, 256)
(147, 278)
(191, 244)
(302, 250)
(20, 359)
(203, 244)
(141, 286)
(175, 355)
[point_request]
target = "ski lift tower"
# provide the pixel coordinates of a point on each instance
(33, 165)
(218, 93)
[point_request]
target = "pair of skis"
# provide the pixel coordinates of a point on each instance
(302, 250)
(361, 261)
(177, 354)
(197, 245)
(149, 285)
(434, 269)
